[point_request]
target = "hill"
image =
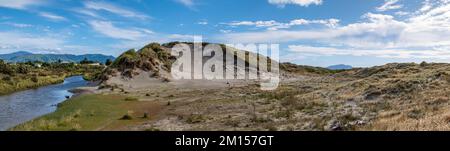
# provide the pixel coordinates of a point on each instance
(153, 62)
(23, 56)
(340, 67)
(304, 70)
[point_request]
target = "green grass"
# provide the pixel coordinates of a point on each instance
(87, 112)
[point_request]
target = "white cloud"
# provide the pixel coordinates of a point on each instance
(306, 3)
(202, 23)
(87, 12)
(22, 41)
(160, 38)
(256, 23)
(423, 34)
(21, 25)
(427, 5)
(96, 5)
(20, 4)
(225, 31)
(145, 30)
(180, 37)
(274, 25)
(377, 25)
(187, 3)
(18, 25)
(52, 16)
(108, 29)
(389, 5)
(386, 53)
(401, 13)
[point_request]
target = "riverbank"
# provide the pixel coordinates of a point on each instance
(90, 112)
(30, 83)
(25, 84)
(23, 76)
(22, 106)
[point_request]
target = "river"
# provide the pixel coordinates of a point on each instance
(23, 106)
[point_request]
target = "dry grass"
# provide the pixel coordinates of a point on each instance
(430, 122)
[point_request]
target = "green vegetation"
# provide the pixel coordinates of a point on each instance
(301, 69)
(131, 99)
(23, 56)
(86, 61)
(108, 62)
(88, 112)
(92, 112)
(127, 60)
(21, 76)
(146, 58)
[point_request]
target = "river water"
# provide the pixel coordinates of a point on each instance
(26, 105)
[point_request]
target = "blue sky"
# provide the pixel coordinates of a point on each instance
(311, 32)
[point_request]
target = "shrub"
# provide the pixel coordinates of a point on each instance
(86, 61)
(127, 116)
(6, 69)
(7, 78)
(131, 99)
(23, 69)
(195, 118)
(145, 115)
(423, 64)
(108, 62)
(35, 79)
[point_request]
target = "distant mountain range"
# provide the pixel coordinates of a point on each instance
(339, 67)
(23, 56)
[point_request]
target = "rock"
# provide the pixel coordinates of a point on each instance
(372, 95)
(334, 125)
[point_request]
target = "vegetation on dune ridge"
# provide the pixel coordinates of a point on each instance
(152, 57)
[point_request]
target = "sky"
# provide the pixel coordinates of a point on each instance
(360, 33)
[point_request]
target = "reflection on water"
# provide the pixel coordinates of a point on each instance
(22, 106)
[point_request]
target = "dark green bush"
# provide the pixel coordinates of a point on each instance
(34, 79)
